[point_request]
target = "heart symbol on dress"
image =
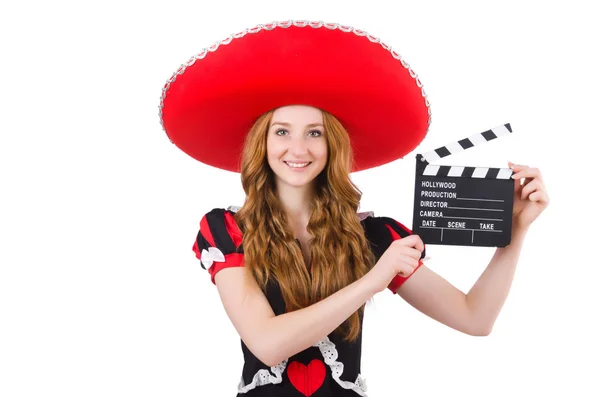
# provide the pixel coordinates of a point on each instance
(306, 378)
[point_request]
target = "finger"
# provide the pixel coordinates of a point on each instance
(529, 188)
(527, 173)
(540, 197)
(414, 241)
(416, 253)
(407, 262)
(406, 270)
(411, 253)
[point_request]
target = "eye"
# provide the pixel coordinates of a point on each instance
(313, 133)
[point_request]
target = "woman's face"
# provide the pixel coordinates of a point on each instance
(296, 144)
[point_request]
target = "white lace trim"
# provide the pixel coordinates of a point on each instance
(330, 355)
(364, 215)
(264, 377)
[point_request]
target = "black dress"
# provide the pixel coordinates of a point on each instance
(329, 368)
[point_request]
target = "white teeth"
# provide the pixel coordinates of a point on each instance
(297, 165)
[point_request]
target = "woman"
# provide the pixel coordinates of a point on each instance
(295, 265)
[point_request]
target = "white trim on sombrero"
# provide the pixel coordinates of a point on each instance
(287, 24)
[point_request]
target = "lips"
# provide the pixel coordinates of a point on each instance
(298, 165)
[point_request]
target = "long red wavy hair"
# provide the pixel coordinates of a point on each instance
(339, 250)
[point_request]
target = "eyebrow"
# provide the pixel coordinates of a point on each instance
(289, 125)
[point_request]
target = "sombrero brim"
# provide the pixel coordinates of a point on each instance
(211, 102)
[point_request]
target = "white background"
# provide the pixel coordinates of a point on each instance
(100, 292)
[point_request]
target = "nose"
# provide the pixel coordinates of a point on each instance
(298, 146)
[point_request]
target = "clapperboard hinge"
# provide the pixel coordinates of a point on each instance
(427, 169)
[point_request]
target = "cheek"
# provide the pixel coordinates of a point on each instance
(270, 147)
(273, 150)
(321, 151)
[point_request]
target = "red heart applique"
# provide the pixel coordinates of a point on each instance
(306, 379)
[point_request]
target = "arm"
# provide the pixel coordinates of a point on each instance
(474, 313)
(272, 338)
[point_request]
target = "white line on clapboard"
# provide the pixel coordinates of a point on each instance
(477, 199)
(452, 228)
(476, 219)
(476, 209)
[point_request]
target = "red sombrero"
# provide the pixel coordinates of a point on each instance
(209, 105)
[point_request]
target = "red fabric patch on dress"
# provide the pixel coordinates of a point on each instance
(307, 378)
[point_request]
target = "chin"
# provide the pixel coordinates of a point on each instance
(297, 183)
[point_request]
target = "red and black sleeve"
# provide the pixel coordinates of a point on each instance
(218, 244)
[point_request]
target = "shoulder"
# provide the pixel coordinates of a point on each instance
(219, 229)
(218, 226)
(218, 243)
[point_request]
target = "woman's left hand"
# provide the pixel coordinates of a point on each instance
(530, 198)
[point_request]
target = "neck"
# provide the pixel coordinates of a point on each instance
(296, 203)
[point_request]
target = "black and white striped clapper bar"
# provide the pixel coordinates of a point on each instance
(456, 205)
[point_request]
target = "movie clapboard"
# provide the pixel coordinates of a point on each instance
(459, 205)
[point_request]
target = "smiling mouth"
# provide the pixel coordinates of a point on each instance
(298, 165)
